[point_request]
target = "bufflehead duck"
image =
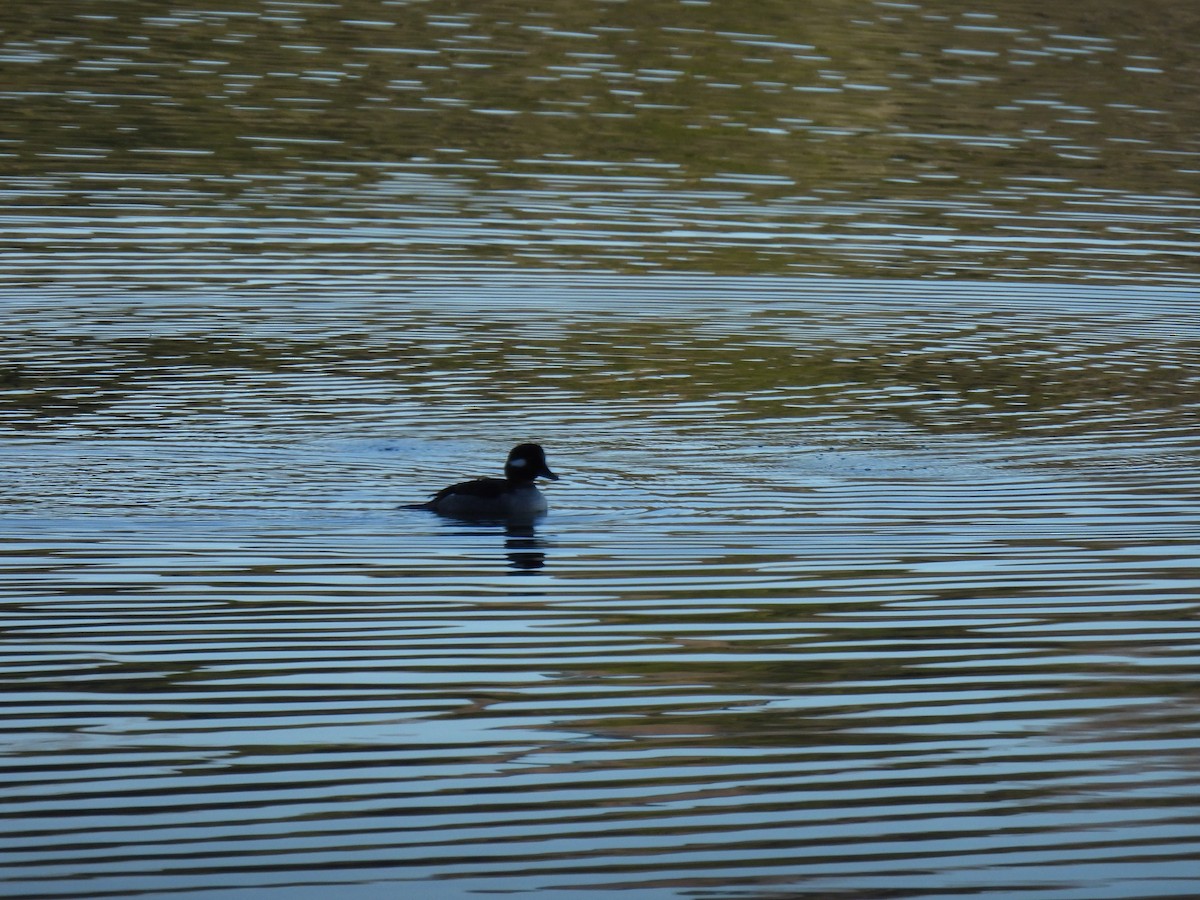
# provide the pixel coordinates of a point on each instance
(515, 496)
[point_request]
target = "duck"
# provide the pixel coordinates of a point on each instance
(515, 496)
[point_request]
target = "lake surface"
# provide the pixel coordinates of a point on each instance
(863, 336)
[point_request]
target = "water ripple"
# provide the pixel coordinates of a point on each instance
(842, 585)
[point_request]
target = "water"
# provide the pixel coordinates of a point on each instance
(829, 612)
(861, 139)
(864, 343)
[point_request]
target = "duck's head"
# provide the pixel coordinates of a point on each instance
(527, 462)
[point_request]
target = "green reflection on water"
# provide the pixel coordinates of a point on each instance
(973, 372)
(664, 125)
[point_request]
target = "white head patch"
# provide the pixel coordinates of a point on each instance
(518, 463)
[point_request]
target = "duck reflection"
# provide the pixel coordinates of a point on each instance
(524, 548)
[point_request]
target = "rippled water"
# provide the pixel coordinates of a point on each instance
(821, 137)
(844, 592)
(863, 335)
